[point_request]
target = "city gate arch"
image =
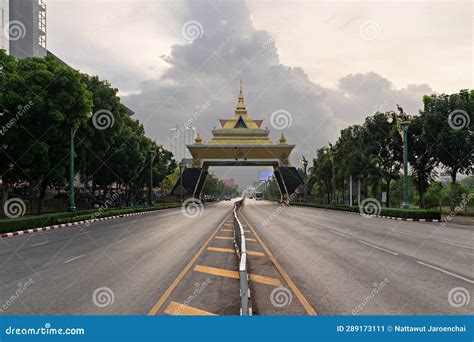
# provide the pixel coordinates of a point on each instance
(240, 141)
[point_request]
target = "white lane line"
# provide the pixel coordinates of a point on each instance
(409, 234)
(68, 261)
(382, 249)
(39, 244)
(447, 272)
(456, 244)
(347, 236)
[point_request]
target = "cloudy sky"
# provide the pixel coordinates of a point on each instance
(328, 64)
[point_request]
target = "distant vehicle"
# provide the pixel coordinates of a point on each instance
(258, 196)
(227, 198)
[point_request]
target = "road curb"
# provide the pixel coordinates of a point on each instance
(378, 216)
(71, 224)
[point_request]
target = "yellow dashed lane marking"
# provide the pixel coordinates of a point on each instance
(309, 309)
(223, 250)
(251, 240)
(231, 230)
(235, 275)
(175, 283)
(230, 250)
(265, 280)
(177, 309)
(255, 253)
(224, 238)
(217, 271)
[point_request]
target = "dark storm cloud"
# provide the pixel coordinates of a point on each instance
(230, 48)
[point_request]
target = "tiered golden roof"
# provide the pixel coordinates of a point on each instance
(240, 128)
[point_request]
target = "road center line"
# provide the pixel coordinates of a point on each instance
(68, 261)
(446, 272)
(409, 234)
(347, 236)
(456, 244)
(39, 244)
(374, 246)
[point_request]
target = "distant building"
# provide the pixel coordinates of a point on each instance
(444, 178)
(229, 182)
(179, 138)
(4, 19)
(23, 32)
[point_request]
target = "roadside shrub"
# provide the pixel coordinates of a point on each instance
(29, 222)
(393, 212)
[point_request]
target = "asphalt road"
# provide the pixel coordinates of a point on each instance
(348, 264)
(135, 258)
(342, 264)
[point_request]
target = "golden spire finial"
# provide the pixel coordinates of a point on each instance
(282, 140)
(198, 139)
(240, 104)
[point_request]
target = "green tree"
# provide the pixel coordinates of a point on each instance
(52, 97)
(421, 158)
(451, 140)
(384, 146)
(321, 174)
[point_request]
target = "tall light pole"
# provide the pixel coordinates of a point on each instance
(304, 162)
(150, 185)
(330, 152)
(72, 204)
(181, 180)
(403, 121)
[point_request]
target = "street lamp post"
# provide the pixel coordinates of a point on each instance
(72, 204)
(304, 162)
(403, 121)
(181, 180)
(150, 185)
(329, 150)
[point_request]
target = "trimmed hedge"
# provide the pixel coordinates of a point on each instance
(393, 212)
(29, 222)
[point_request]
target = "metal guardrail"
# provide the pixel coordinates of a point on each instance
(241, 250)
